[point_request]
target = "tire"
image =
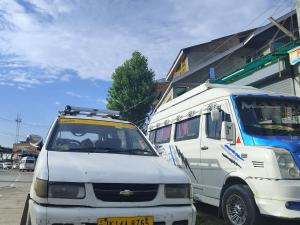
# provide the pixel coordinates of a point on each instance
(239, 207)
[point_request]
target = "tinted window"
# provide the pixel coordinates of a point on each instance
(151, 136)
(29, 161)
(187, 129)
(162, 135)
(99, 137)
(213, 129)
(269, 116)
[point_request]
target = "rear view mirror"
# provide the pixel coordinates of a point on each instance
(215, 115)
(228, 131)
(35, 140)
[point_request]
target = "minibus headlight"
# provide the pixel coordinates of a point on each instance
(178, 191)
(41, 188)
(66, 190)
(288, 168)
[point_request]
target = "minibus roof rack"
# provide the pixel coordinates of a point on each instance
(75, 110)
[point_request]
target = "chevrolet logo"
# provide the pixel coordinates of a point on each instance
(126, 193)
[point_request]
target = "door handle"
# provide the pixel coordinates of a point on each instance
(204, 148)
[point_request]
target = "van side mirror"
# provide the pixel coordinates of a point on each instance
(228, 131)
(35, 141)
(215, 115)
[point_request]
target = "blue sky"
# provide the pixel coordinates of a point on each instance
(58, 52)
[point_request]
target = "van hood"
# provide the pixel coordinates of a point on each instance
(290, 143)
(111, 168)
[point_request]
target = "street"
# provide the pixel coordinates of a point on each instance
(14, 187)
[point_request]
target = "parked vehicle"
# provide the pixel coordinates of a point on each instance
(93, 169)
(1, 165)
(27, 164)
(7, 165)
(240, 147)
(15, 166)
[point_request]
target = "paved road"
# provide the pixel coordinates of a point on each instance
(208, 215)
(14, 187)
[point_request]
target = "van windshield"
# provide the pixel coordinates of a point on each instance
(93, 136)
(269, 116)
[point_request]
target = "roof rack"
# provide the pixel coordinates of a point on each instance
(75, 110)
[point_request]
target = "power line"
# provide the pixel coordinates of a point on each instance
(25, 123)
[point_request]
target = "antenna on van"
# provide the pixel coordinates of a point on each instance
(75, 110)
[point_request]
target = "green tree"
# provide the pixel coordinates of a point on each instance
(132, 91)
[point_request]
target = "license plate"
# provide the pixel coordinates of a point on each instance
(134, 220)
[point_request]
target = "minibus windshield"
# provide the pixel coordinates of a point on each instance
(269, 116)
(94, 137)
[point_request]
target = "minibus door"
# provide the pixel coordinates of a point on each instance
(214, 166)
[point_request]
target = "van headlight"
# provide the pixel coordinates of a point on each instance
(66, 190)
(288, 168)
(178, 191)
(44, 189)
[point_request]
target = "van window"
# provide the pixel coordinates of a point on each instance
(29, 161)
(162, 135)
(213, 129)
(187, 129)
(151, 136)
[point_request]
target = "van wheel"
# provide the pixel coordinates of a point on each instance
(238, 206)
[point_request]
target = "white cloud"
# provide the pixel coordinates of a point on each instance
(91, 38)
(57, 103)
(103, 101)
(76, 95)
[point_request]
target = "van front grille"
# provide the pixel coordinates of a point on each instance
(125, 192)
(258, 164)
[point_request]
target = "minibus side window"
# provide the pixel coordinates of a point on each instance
(162, 135)
(213, 129)
(151, 136)
(187, 129)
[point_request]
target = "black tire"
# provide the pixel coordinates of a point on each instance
(239, 207)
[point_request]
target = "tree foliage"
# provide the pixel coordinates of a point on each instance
(132, 91)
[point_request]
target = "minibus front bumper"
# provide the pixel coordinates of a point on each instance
(56, 215)
(279, 198)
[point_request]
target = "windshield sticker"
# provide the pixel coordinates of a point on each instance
(95, 122)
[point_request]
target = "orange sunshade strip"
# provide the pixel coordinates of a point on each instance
(95, 122)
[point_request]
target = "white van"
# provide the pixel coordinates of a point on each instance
(239, 145)
(93, 169)
(27, 164)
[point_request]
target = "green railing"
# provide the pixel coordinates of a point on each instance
(257, 64)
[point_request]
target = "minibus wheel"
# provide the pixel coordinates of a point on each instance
(238, 206)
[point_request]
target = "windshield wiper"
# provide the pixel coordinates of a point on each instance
(136, 150)
(93, 150)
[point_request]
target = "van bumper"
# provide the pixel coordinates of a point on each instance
(42, 215)
(279, 198)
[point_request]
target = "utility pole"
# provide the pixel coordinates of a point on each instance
(18, 121)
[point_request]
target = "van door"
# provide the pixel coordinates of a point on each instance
(214, 164)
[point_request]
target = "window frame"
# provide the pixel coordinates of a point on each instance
(224, 117)
(169, 139)
(187, 137)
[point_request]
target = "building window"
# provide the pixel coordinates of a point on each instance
(213, 129)
(179, 91)
(162, 135)
(187, 129)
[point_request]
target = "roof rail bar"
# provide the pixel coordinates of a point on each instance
(75, 110)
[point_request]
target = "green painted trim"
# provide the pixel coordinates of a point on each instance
(257, 64)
